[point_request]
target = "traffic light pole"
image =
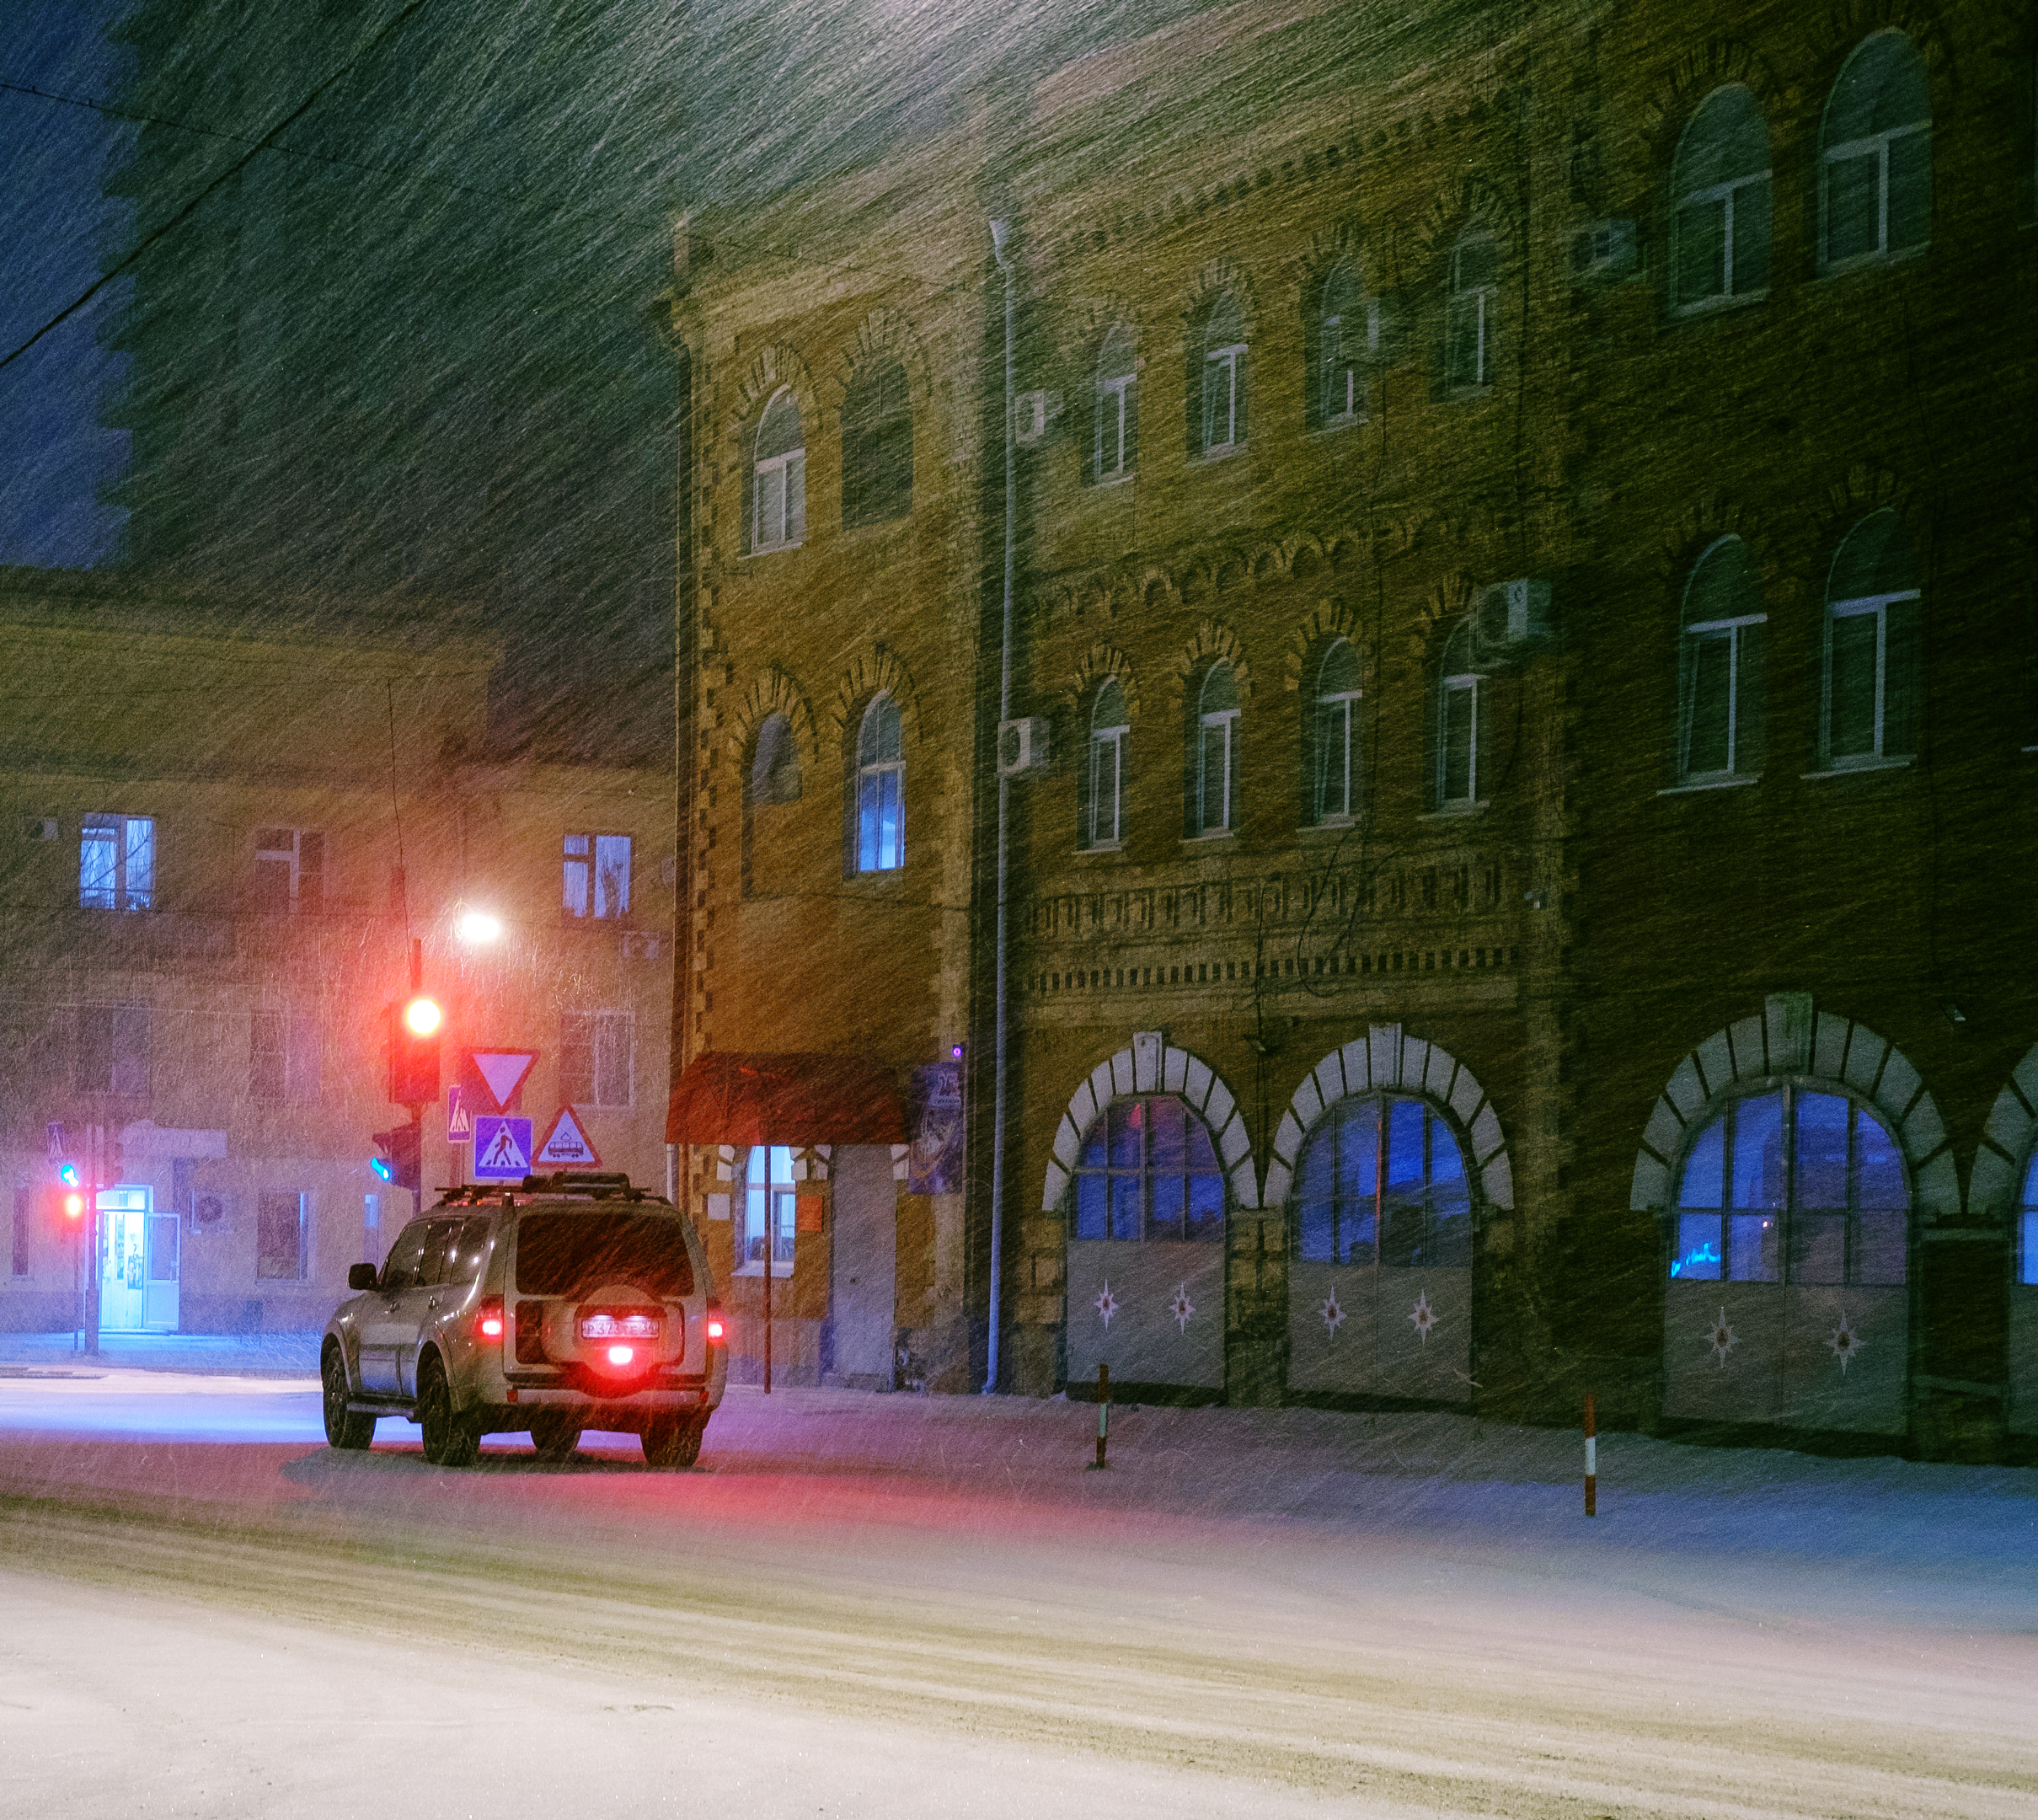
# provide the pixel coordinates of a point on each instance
(95, 1139)
(417, 1149)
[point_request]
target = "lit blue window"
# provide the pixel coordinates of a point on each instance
(1381, 1179)
(1797, 1186)
(1148, 1171)
(769, 1206)
(116, 863)
(596, 875)
(881, 789)
(2027, 1223)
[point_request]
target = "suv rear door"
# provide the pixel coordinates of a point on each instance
(390, 1318)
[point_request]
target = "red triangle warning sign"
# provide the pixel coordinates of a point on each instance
(566, 1145)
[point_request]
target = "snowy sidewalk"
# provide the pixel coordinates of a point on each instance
(275, 1355)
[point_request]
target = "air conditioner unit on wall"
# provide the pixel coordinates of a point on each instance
(1022, 748)
(39, 828)
(1511, 620)
(1032, 414)
(1607, 250)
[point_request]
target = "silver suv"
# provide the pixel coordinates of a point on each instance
(570, 1302)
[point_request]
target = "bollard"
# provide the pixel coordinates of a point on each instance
(1591, 1460)
(1103, 1415)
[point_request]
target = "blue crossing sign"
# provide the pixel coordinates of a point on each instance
(502, 1148)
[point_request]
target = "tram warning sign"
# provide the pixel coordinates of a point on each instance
(566, 1146)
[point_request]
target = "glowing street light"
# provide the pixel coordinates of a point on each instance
(478, 927)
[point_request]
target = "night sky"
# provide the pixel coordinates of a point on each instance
(56, 225)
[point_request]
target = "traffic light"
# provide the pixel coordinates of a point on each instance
(64, 1211)
(399, 1164)
(414, 1050)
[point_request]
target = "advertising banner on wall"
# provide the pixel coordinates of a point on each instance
(934, 1161)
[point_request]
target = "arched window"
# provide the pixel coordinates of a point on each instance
(1876, 154)
(1469, 326)
(1871, 645)
(1223, 377)
(1459, 722)
(1719, 674)
(877, 446)
(1799, 1185)
(1381, 1179)
(1332, 793)
(1341, 336)
(778, 512)
(1214, 804)
(1116, 448)
(774, 763)
(880, 789)
(1719, 191)
(769, 1206)
(1148, 1171)
(1102, 810)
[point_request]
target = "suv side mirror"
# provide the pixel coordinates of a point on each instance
(360, 1275)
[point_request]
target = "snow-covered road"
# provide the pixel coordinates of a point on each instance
(893, 1605)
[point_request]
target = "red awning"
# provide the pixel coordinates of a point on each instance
(731, 1097)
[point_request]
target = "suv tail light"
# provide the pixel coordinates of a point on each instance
(487, 1320)
(718, 1327)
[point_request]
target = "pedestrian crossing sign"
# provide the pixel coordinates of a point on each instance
(502, 1148)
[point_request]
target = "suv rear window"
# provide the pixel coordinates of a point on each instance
(568, 1254)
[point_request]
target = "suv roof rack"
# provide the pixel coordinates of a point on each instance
(605, 1186)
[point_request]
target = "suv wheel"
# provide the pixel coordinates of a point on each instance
(555, 1434)
(670, 1444)
(449, 1441)
(343, 1429)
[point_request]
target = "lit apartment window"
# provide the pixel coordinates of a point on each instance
(1875, 155)
(770, 1209)
(779, 517)
(116, 863)
(289, 871)
(880, 789)
(1720, 185)
(596, 878)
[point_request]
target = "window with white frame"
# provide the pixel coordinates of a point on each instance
(111, 1053)
(1214, 809)
(596, 1054)
(594, 877)
(1872, 607)
(877, 445)
(1102, 811)
(1115, 450)
(1148, 1172)
(116, 863)
(289, 871)
(284, 1053)
(770, 1210)
(778, 508)
(1719, 673)
(1382, 1181)
(1343, 331)
(1875, 155)
(1334, 724)
(880, 789)
(1720, 189)
(1470, 325)
(1223, 388)
(774, 763)
(1460, 722)
(282, 1233)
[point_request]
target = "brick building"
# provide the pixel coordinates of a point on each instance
(1510, 851)
(220, 844)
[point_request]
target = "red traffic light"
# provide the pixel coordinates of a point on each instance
(422, 1016)
(414, 1050)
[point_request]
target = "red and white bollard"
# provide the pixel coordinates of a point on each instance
(1591, 1460)
(1104, 1414)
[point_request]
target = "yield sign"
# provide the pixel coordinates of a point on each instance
(503, 1071)
(566, 1144)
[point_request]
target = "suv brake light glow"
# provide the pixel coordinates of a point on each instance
(718, 1331)
(487, 1320)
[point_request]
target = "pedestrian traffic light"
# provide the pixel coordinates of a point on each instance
(399, 1164)
(414, 1050)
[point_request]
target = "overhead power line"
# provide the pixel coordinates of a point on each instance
(183, 214)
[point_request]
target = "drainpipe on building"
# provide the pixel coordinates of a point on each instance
(1000, 233)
